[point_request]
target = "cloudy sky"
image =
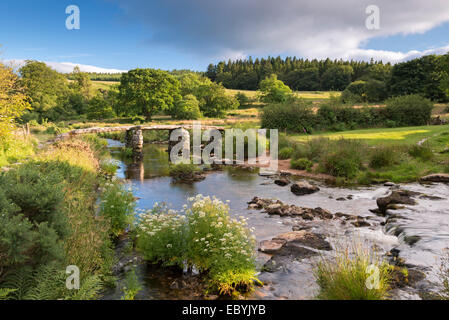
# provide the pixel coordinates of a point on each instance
(117, 35)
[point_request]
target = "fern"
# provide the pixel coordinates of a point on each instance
(5, 292)
(49, 284)
(89, 290)
(21, 280)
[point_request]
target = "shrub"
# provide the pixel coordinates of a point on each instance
(383, 156)
(422, 152)
(117, 205)
(301, 164)
(274, 90)
(285, 153)
(183, 171)
(132, 286)
(109, 167)
(206, 238)
(347, 276)
(344, 158)
(411, 110)
(99, 109)
(365, 91)
(242, 99)
(186, 109)
(48, 221)
(296, 115)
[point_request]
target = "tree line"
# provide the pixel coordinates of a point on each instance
(427, 76)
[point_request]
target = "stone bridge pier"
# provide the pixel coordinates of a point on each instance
(134, 140)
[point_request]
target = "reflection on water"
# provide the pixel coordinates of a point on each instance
(429, 219)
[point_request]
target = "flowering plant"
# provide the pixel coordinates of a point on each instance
(204, 236)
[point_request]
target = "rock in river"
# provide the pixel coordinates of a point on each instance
(438, 177)
(282, 182)
(396, 197)
(303, 187)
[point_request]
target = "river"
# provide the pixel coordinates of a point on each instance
(419, 232)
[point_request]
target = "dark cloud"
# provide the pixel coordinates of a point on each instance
(312, 28)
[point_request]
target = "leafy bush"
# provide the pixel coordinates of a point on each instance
(214, 102)
(295, 115)
(242, 99)
(343, 159)
(383, 156)
(346, 277)
(273, 90)
(186, 109)
(365, 91)
(47, 221)
(422, 152)
(99, 109)
(285, 153)
(411, 110)
(183, 171)
(206, 238)
(117, 205)
(301, 164)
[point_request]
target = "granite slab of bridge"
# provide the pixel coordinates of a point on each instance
(134, 134)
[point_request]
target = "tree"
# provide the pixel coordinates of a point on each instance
(214, 102)
(337, 77)
(274, 90)
(44, 86)
(303, 79)
(147, 91)
(421, 76)
(410, 110)
(81, 82)
(99, 109)
(13, 101)
(365, 91)
(186, 109)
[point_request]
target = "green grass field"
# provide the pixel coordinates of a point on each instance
(384, 136)
(310, 95)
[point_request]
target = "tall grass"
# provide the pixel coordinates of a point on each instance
(346, 276)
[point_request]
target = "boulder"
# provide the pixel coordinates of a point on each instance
(437, 177)
(303, 187)
(271, 246)
(282, 182)
(275, 208)
(396, 197)
(305, 238)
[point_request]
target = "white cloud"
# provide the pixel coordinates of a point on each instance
(305, 28)
(66, 67)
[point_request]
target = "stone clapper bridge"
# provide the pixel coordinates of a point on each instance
(134, 135)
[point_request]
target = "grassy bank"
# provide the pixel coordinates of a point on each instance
(51, 219)
(373, 155)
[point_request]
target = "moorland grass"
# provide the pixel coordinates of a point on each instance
(346, 276)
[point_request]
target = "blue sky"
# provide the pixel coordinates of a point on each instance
(178, 34)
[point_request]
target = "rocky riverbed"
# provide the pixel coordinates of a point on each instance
(408, 225)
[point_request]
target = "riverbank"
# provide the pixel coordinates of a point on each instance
(50, 208)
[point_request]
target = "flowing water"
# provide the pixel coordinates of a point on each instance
(420, 232)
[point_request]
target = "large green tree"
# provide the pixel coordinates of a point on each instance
(147, 91)
(273, 90)
(44, 86)
(13, 101)
(419, 76)
(337, 77)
